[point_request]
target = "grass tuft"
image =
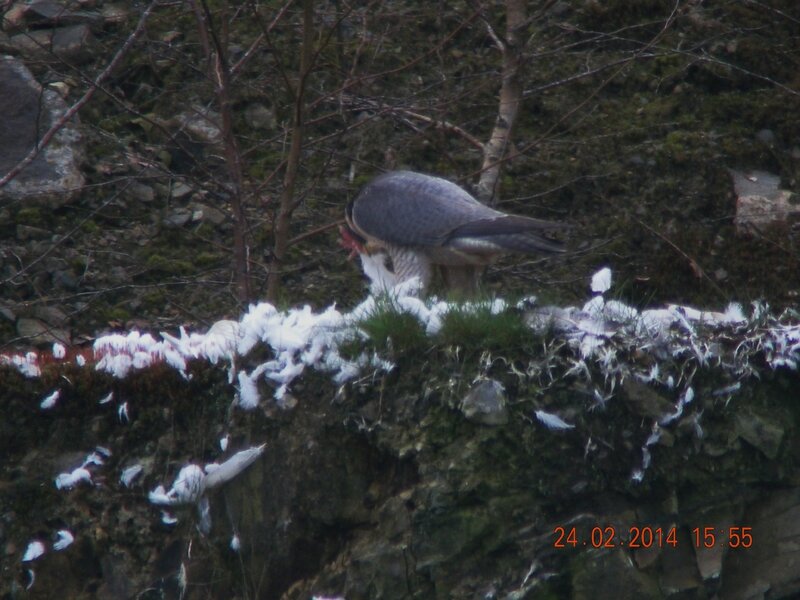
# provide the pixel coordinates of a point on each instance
(478, 328)
(394, 332)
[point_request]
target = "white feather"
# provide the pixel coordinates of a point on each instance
(601, 281)
(552, 421)
(34, 550)
(65, 539)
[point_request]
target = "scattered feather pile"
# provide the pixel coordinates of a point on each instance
(609, 342)
(603, 333)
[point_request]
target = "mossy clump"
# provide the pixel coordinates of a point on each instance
(681, 146)
(30, 215)
(168, 266)
(90, 226)
(473, 327)
(481, 328)
(208, 259)
(392, 331)
(118, 314)
(154, 300)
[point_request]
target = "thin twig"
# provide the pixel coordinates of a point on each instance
(436, 123)
(260, 38)
(313, 232)
(693, 264)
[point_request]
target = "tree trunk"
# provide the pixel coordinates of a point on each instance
(496, 148)
(283, 219)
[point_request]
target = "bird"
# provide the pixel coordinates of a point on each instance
(423, 223)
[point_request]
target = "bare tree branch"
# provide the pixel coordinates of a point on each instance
(363, 103)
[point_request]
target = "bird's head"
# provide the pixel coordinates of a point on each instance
(351, 241)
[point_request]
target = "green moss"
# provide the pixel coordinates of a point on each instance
(392, 331)
(207, 259)
(361, 180)
(659, 107)
(90, 227)
(480, 329)
(472, 327)
(171, 266)
(205, 230)
(30, 215)
(78, 263)
(682, 146)
(154, 300)
(352, 348)
(117, 313)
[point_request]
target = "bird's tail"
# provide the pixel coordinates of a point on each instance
(528, 243)
(514, 234)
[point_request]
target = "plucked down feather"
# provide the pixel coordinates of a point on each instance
(422, 222)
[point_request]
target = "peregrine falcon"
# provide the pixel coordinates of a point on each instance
(422, 222)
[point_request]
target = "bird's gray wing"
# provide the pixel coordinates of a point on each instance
(507, 233)
(411, 209)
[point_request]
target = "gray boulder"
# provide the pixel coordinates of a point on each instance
(27, 111)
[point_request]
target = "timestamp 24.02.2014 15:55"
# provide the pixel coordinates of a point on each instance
(636, 536)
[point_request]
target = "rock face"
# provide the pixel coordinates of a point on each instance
(388, 490)
(50, 31)
(760, 201)
(26, 112)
